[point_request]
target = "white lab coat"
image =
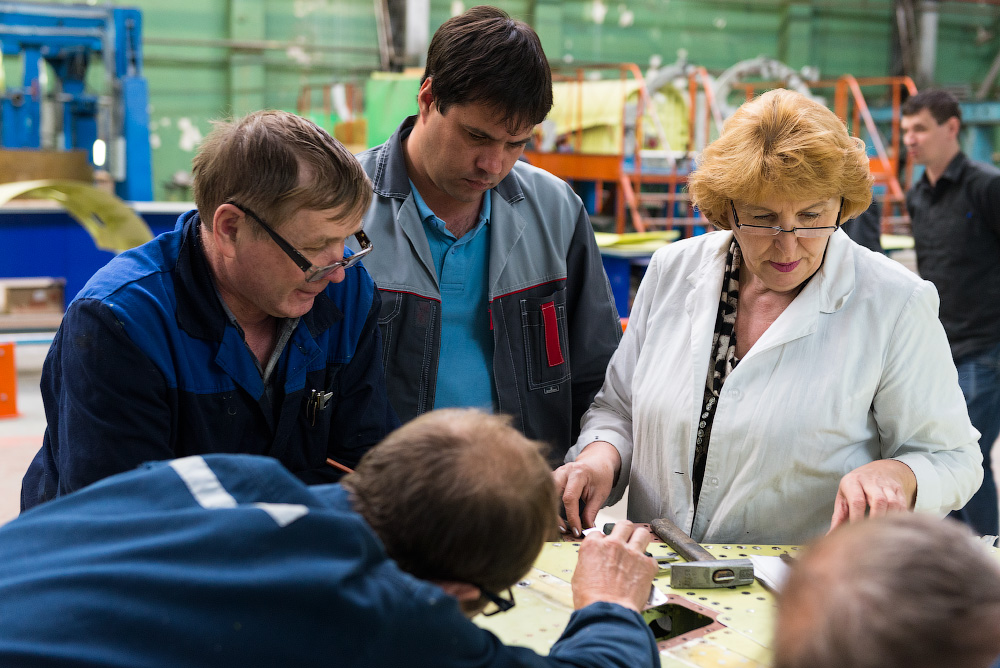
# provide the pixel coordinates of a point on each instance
(857, 368)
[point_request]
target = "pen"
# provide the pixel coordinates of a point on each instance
(337, 465)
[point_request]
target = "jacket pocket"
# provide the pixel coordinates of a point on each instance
(546, 342)
(388, 317)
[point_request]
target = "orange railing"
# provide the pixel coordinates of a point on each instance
(849, 104)
(603, 169)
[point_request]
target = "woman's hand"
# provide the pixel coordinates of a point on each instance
(880, 487)
(589, 478)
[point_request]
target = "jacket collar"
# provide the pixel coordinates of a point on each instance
(832, 284)
(827, 291)
(199, 311)
(836, 275)
(391, 180)
(955, 168)
(952, 173)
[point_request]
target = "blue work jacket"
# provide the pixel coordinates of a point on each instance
(228, 560)
(147, 366)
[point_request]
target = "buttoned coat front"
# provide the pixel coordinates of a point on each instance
(856, 368)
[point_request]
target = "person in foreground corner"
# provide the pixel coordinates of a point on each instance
(901, 591)
(777, 379)
(229, 560)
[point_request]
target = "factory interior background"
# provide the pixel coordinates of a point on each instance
(207, 59)
(641, 86)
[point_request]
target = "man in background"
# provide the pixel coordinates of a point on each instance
(229, 560)
(247, 329)
(955, 209)
(493, 291)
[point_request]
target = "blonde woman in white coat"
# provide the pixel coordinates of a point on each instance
(776, 379)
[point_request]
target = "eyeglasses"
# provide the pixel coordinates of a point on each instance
(800, 232)
(496, 604)
(312, 272)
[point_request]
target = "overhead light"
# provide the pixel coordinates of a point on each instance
(100, 153)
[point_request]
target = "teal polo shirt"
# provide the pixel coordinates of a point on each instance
(465, 363)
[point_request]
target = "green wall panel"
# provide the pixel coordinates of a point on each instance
(846, 43)
(195, 76)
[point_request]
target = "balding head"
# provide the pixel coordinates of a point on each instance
(904, 591)
(458, 495)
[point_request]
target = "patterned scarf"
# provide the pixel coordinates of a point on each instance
(721, 363)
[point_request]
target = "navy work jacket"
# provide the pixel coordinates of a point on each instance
(228, 560)
(147, 366)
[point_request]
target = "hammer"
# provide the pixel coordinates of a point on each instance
(702, 570)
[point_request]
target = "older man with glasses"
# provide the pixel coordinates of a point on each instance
(226, 335)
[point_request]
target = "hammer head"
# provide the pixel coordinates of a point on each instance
(711, 574)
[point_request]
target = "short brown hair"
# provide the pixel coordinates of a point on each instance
(903, 591)
(457, 495)
(781, 144)
(276, 163)
(484, 56)
(941, 104)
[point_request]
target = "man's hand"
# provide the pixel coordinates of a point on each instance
(590, 478)
(614, 568)
(880, 487)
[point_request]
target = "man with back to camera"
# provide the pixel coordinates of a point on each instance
(229, 560)
(955, 209)
(246, 329)
(493, 291)
(900, 591)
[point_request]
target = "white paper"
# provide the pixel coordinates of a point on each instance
(772, 572)
(656, 597)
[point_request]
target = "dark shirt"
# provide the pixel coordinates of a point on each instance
(866, 229)
(956, 230)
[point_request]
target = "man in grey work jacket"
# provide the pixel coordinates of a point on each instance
(493, 291)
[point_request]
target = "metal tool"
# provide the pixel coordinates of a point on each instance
(662, 560)
(702, 570)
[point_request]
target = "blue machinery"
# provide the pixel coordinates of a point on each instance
(114, 127)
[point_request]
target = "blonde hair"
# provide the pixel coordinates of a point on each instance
(781, 144)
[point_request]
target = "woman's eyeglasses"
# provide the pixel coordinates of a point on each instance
(774, 230)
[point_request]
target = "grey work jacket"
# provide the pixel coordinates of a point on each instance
(554, 321)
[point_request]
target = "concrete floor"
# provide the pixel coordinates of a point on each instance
(20, 437)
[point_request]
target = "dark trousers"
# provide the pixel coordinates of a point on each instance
(979, 377)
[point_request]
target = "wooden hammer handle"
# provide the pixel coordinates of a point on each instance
(683, 544)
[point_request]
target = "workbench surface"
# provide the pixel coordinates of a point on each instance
(739, 634)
